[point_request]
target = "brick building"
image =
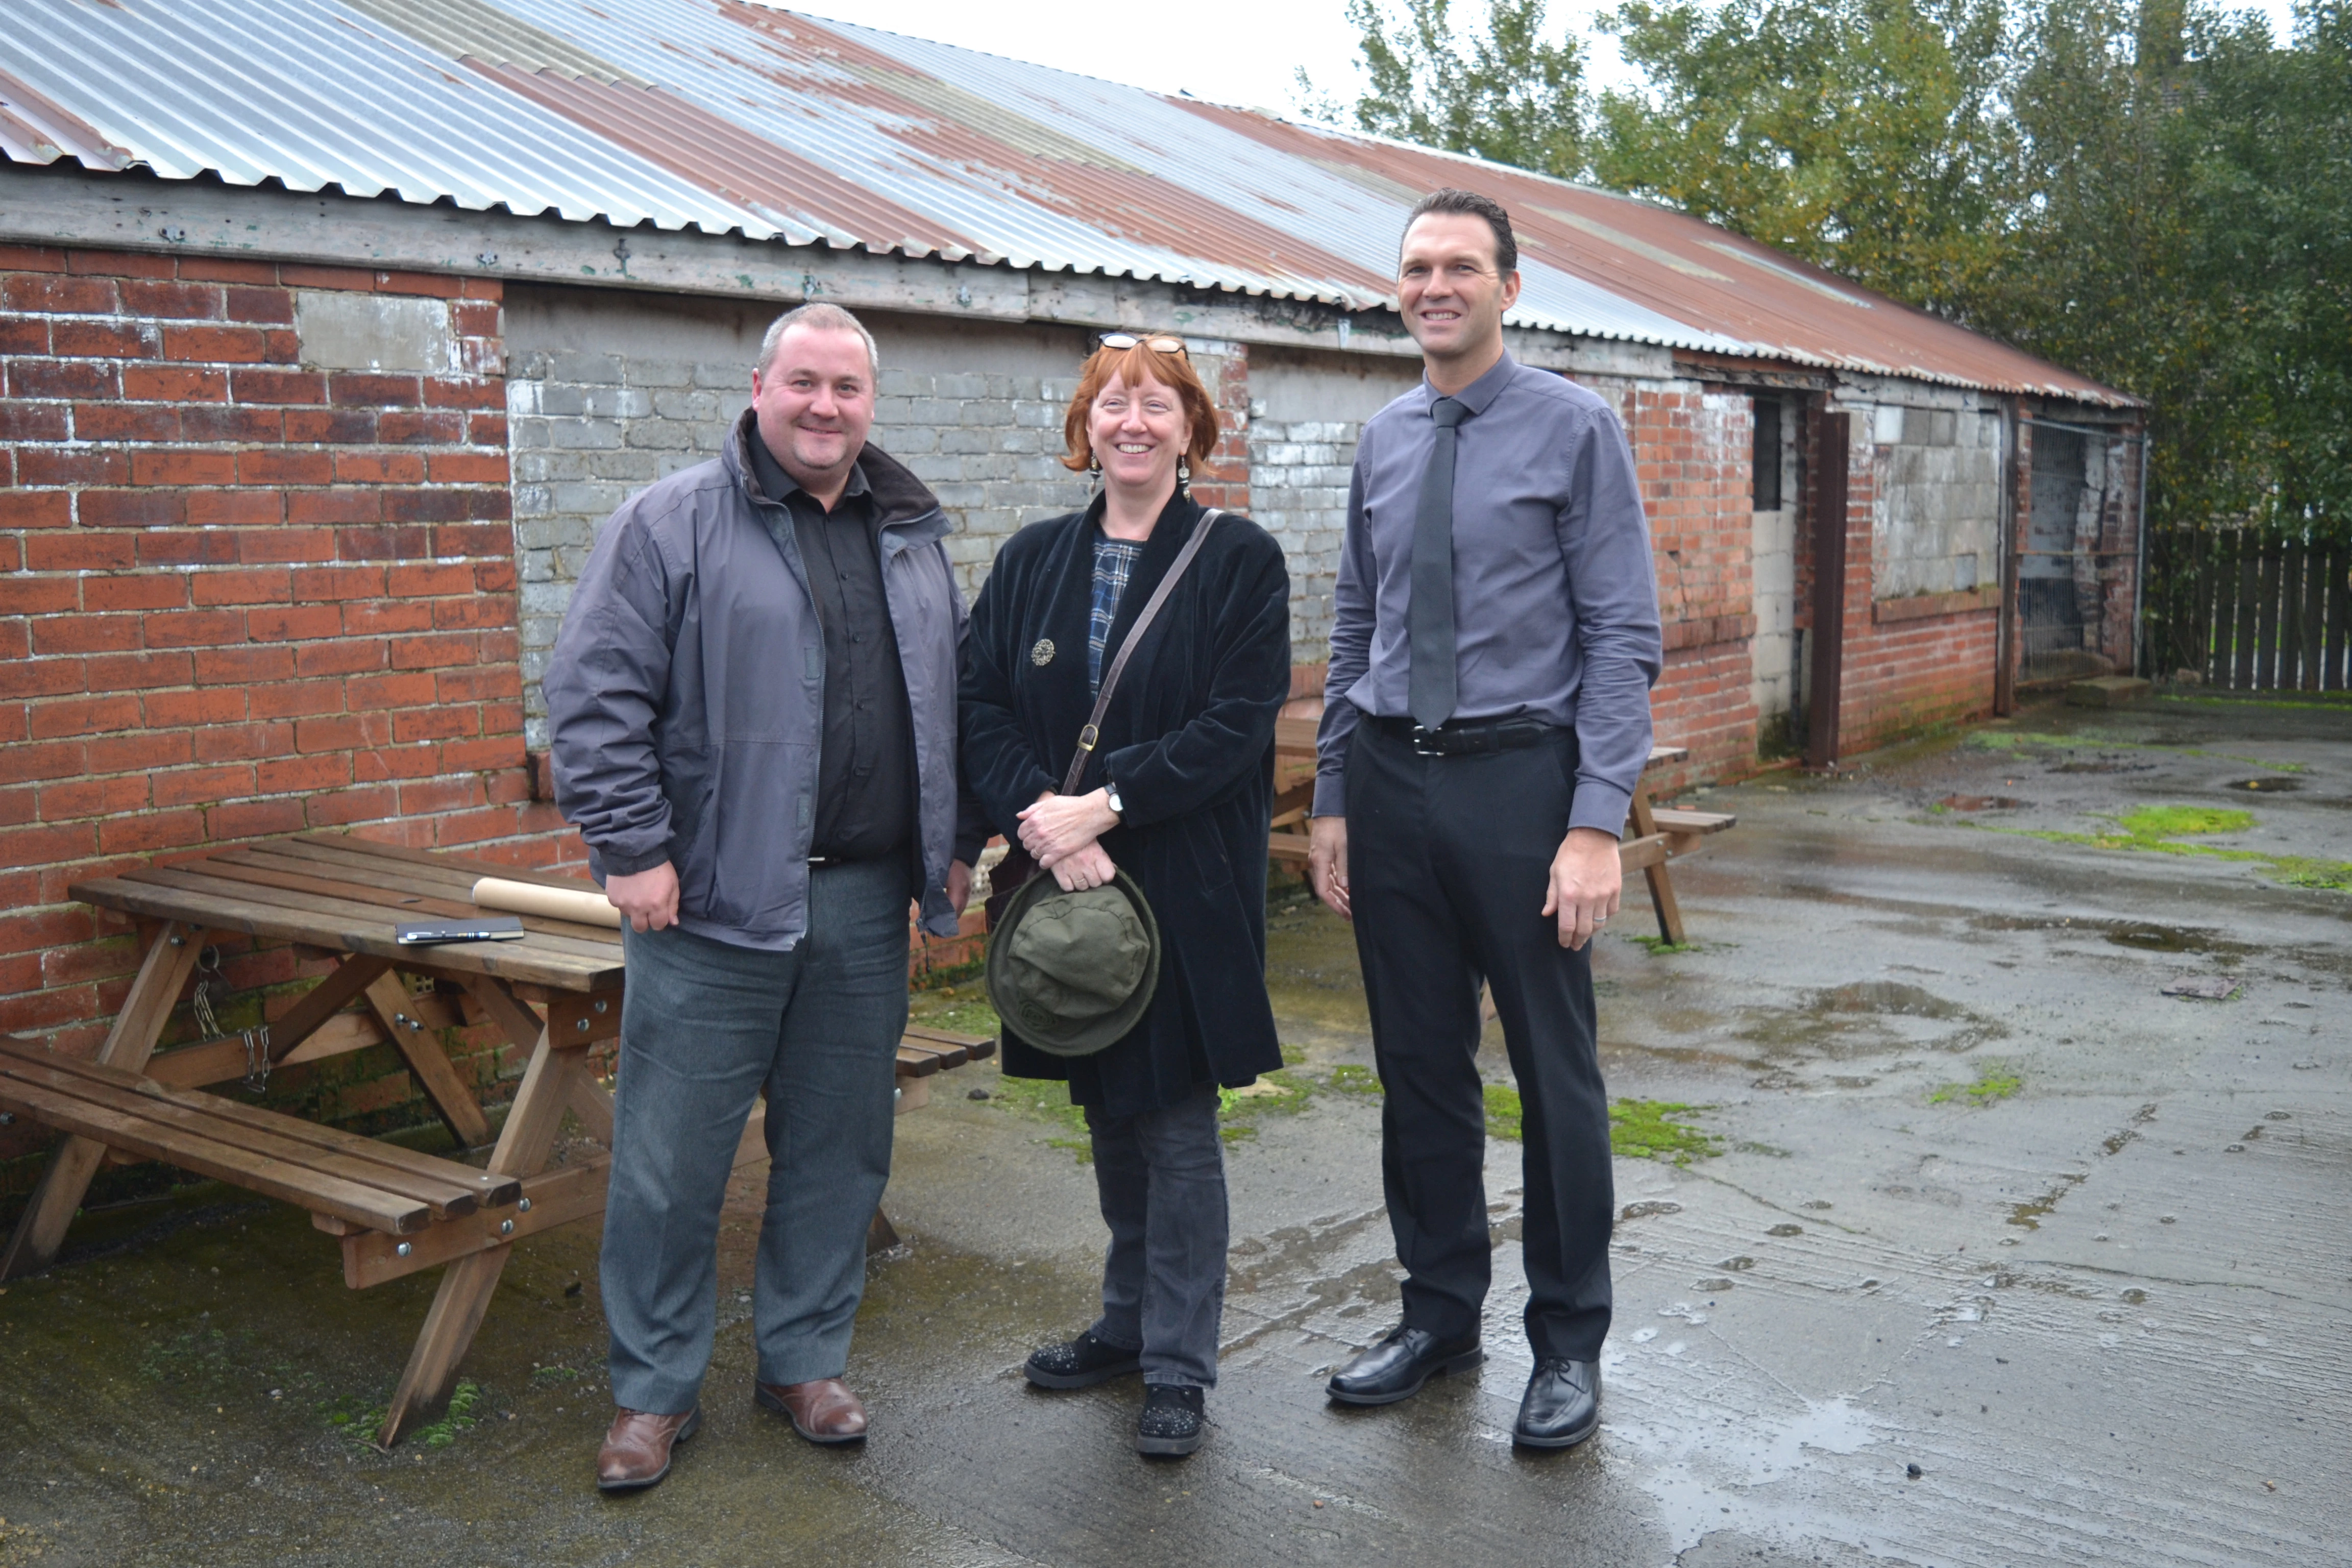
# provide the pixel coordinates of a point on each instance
(311, 401)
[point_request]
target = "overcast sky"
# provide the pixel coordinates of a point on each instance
(1230, 51)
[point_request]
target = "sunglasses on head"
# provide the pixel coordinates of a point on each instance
(1158, 343)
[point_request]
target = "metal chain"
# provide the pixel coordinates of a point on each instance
(256, 1041)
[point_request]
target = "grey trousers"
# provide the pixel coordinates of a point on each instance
(1160, 1177)
(706, 1030)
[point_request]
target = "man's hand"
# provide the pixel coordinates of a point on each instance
(1327, 863)
(1585, 881)
(958, 885)
(1085, 867)
(647, 899)
(1055, 827)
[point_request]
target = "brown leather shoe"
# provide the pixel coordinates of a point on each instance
(822, 1412)
(636, 1453)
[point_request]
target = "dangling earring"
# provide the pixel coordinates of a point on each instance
(1094, 468)
(1185, 469)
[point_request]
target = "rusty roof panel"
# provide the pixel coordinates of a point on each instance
(1690, 271)
(33, 130)
(728, 116)
(315, 95)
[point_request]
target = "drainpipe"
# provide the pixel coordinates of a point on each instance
(2004, 674)
(2140, 571)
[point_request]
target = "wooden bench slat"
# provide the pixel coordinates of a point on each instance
(357, 928)
(398, 903)
(1671, 820)
(446, 1198)
(980, 1047)
(914, 1062)
(487, 1189)
(303, 1184)
(434, 882)
(470, 866)
(948, 1056)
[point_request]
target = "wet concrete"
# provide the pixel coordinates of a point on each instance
(1988, 1205)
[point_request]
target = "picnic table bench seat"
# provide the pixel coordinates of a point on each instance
(1652, 837)
(555, 995)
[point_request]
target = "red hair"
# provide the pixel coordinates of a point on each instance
(1134, 366)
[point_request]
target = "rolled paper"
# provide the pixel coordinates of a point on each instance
(585, 907)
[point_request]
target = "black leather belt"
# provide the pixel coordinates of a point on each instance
(1469, 738)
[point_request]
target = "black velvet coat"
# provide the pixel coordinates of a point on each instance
(1189, 739)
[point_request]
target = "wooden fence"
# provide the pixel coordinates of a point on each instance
(2250, 611)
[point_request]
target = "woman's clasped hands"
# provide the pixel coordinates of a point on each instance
(1060, 833)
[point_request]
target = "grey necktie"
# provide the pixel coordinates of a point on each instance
(1429, 618)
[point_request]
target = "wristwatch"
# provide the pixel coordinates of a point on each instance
(1111, 795)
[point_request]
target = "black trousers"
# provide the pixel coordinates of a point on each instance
(1449, 860)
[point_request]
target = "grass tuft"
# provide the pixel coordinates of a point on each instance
(1995, 1083)
(1646, 1129)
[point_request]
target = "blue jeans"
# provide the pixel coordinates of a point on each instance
(1160, 1177)
(706, 1029)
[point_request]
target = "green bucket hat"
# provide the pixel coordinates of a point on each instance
(1070, 973)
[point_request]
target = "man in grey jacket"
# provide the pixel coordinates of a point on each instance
(752, 711)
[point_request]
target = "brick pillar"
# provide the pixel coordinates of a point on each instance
(1224, 479)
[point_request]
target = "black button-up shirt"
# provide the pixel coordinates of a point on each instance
(866, 761)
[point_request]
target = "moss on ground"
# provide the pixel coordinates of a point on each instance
(1638, 1128)
(1647, 1130)
(1997, 1082)
(2160, 829)
(2099, 741)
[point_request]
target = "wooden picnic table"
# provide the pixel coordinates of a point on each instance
(1654, 835)
(397, 1211)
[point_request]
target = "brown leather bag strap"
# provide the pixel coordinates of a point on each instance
(1093, 732)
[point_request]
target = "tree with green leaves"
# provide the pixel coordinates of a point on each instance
(1865, 135)
(1502, 93)
(2152, 192)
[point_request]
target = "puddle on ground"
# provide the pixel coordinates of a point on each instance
(1735, 1476)
(2104, 765)
(2265, 786)
(1979, 802)
(1867, 1019)
(2144, 935)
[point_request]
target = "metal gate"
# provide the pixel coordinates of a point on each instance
(2077, 575)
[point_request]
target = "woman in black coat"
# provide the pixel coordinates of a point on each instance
(1177, 793)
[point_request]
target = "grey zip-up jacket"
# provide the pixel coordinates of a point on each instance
(686, 694)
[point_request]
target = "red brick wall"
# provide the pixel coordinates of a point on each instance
(1692, 452)
(240, 595)
(1224, 479)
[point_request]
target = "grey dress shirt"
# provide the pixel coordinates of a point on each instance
(1555, 599)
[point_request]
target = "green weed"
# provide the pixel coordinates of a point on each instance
(1349, 1079)
(1996, 1083)
(2158, 830)
(2182, 821)
(1646, 1129)
(1503, 1111)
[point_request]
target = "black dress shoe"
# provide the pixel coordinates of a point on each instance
(1563, 1404)
(1172, 1422)
(1395, 1368)
(1081, 1364)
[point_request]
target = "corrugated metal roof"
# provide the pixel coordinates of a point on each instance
(315, 95)
(731, 117)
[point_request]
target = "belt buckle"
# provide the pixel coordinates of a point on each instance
(1424, 742)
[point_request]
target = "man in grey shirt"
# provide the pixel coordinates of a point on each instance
(1495, 638)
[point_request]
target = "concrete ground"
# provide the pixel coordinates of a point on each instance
(1983, 1201)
